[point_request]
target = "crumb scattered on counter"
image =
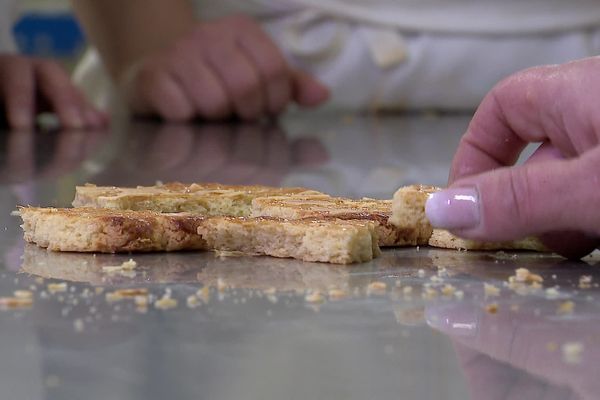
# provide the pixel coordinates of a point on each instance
(421, 273)
(12, 303)
(551, 347)
(126, 266)
(491, 308)
(585, 282)
(490, 290)
(314, 297)
(78, 324)
(377, 288)
(57, 287)
(192, 301)
(572, 352)
(337, 294)
(552, 293)
(165, 302)
(565, 308)
(23, 294)
(448, 290)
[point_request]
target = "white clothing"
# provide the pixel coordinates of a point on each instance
(7, 19)
(418, 54)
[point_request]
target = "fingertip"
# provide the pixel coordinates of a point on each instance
(20, 119)
(309, 92)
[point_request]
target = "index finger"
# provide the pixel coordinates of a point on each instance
(517, 111)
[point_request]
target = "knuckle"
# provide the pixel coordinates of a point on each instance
(519, 199)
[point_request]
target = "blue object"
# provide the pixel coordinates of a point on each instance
(49, 35)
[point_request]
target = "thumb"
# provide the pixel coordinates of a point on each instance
(514, 202)
(308, 91)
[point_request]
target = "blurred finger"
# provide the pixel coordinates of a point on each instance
(151, 90)
(202, 86)
(307, 91)
(271, 66)
(56, 87)
(240, 79)
(18, 91)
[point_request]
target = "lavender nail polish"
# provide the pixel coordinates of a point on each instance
(454, 208)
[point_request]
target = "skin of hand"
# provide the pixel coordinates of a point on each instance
(555, 194)
(229, 67)
(29, 86)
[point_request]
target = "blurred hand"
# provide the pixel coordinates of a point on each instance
(29, 86)
(221, 69)
(555, 194)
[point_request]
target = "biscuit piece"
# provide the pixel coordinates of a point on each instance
(324, 240)
(378, 211)
(408, 211)
(207, 199)
(444, 239)
(110, 231)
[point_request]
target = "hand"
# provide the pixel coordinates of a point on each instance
(225, 68)
(29, 86)
(555, 194)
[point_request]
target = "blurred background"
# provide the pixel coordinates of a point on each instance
(47, 28)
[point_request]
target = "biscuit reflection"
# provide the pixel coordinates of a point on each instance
(206, 268)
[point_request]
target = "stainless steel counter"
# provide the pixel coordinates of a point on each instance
(414, 324)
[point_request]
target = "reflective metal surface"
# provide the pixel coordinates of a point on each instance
(413, 324)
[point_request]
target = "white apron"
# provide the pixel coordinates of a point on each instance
(7, 19)
(413, 54)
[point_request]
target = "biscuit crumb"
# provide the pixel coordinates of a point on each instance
(314, 297)
(551, 347)
(192, 301)
(552, 293)
(448, 290)
(572, 352)
(165, 303)
(377, 288)
(566, 307)
(337, 294)
(524, 275)
(492, 308)
(78, 325)
(23, 294)
(57, 287)
(132, 292)
(141, 301)
(421, 273)
(407, 290)
(459, 294)
(126, 266)
(585, 282)
(429, 293)
(204, 294)
(13, 303)
(490, 290)
(221, 285)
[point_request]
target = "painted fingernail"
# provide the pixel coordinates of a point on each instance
(453, 208)
(455, 321)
